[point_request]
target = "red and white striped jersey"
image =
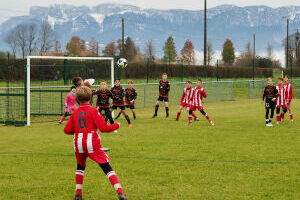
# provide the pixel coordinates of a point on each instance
(187, 95)
(289, 91)
(281, 101)
(198, 95)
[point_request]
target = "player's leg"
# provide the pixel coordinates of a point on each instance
(63, 117)
(195, 116)
(267, 116)
(290, 111)
(179, 112)
(156, 107)
(132, 108)
(207, 117)
(190, 117)
(271, 115)
(79, 175)
(284, 110)
(117, 117)
(167, 108)
(113, 179)
(125, 115)
(108, 115)
(278, 115)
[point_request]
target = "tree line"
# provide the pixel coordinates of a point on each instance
(33, 39)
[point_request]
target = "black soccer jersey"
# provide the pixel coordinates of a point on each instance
(270, 92)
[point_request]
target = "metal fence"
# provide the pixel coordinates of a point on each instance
(256, 88)
(49, 100)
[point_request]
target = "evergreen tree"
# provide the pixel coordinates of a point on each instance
(170, 53)
(228, 52)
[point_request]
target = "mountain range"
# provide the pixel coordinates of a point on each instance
(104, 23)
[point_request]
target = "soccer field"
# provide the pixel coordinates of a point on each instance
(162, 159)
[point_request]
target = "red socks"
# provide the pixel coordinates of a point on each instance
(207, 117)
(79, 175)
(62, 118)
(278, 118)
(190, 119)
(178, 114)
(282, 116)
(195, 117)
(291, 117)
(112, 177)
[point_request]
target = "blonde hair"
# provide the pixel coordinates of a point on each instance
(83, 94)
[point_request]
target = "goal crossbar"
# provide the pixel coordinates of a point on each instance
(29, 58)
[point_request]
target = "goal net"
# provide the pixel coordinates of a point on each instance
(49, 79)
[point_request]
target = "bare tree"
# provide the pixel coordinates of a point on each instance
(270, 51)
(32, 38)
(210, 53)
(110, 49)
(22, 38)
(93, 45)
(11, 40)
(47, 37)
(149, 51)
(57, 47)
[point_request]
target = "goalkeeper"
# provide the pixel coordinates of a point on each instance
(118, 100)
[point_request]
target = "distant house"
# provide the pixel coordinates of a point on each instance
(52, 53)
(87, 53)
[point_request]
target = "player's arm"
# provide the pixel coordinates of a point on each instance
(67, 101)
(168, 87)
(182, 97)
(135, 95)
(102, 125)
(69, 128)
(291, 93)
(203, 93)
(264, 94)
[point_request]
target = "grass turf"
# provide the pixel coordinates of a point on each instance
(159, 158)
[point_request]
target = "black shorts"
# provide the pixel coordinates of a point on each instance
(270, 105)
(114, 107)
(165, 99)
(130, 106)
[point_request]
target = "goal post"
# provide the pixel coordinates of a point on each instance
(43, 58)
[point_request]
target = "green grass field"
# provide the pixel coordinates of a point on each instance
(161, 159)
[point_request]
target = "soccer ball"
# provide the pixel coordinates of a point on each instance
(89, 82)
(122, 63)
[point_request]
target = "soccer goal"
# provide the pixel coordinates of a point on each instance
(49, 79)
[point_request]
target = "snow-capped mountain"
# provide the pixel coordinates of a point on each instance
(104, 23)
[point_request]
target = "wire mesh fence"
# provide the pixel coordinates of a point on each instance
(256, 88)
(50, 100)
(12, 93)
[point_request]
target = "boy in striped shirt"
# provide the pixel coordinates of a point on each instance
(185, 100)
(83, 124)
(281, 101)
(289, 95)
(197, 103)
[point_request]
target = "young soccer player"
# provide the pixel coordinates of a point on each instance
(164, 89)
(185, 100)
(83, 124)
(103, 95)
(270, 94)
(198, 95)
(118, 100)
(281, 101)
(130, 97)
(289, 95)
(70, 104)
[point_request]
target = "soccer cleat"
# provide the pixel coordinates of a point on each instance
(130, 125)
(196, 119)
(154, 116)
(176, 119)
(115, 131)
(212, 123)
(269, 125)
(60, 122)
(78, 197)
(122, 197)
(277, 122)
